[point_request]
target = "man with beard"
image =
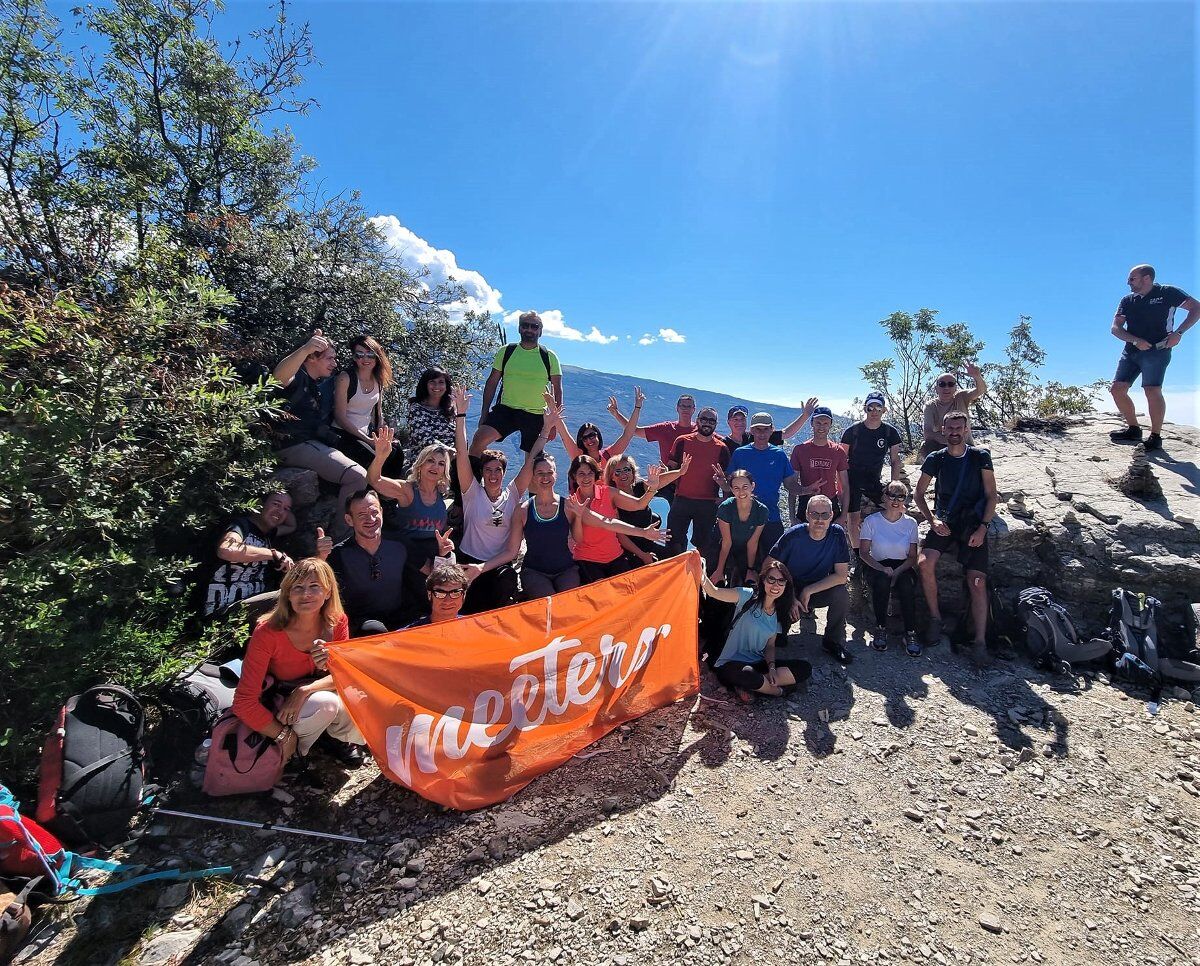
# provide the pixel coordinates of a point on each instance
(964, 506)
(820, 466)
(665, 433)
(696, 491)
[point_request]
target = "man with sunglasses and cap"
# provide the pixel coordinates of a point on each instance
(949, 398)
(738, 436)
(697, 494)
(869, 444)
(521, 371)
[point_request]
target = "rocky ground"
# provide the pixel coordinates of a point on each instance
(900, 809)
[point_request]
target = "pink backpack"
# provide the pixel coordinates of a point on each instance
(240, 760)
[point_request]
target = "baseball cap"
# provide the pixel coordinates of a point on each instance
(822, 411)
(737, 409)
(874, 399)
(761, 419)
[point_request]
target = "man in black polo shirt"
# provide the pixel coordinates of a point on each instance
(965, 504)
(369, 569)
(869, 444)
(1145, 322)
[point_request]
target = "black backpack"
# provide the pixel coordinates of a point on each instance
(1050, 634)
(91, 774)
(1134, 626)
(188, 708)
(508, 352)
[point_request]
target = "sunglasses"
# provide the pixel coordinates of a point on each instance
(820, 516)
(623, 470)
(874, 409)
(590, 436)
(374, 561)
(947, 385)
(364, 355)
(441, 593)
(894, 496)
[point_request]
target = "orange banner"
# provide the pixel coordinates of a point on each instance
(469, 712)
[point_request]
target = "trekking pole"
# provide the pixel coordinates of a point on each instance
(263, 826)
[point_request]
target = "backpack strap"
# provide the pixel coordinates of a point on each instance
(79, 863)
(513, 347)
(93, 768)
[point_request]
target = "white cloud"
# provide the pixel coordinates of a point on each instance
(437, 266)
(553, 327)
(666, 335)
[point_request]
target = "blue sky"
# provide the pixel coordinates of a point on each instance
(767, 181)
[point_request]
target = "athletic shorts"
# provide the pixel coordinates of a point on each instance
(971, 558)
(505, 420)
(1150, 364)
(864, 482)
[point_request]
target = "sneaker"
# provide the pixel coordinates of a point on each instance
(838, 652)
(912, 646)
(1130, 434)
(878, 641)
(1153, 441)
(933, 637)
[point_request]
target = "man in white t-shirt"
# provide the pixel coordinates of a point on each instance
(888, 552)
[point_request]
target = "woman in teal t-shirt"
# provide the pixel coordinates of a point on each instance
(740, 522)
(761, 621)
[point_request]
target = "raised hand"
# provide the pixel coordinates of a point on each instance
(653, 472)
(973, 370)
(317, 342)
(612, 405)
(719, 476)
(324, 544)
(685, 464)
(639, 397)
(383, 439)
(811, 403)
(445, 544)
(462, 400)
(657, 536)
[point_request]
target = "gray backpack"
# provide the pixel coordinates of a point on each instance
(1050, 634)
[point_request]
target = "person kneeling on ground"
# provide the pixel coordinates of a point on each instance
(289, 644)
(965, 499)
(747, 661)
(446, 589)
(369, 569)
(888, 553)
(817, 555)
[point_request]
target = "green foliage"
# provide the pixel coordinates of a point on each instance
(122, 437)
(924, 349)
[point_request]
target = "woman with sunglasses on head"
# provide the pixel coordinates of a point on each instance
(740, 523)
(888, 551)
(489, 507)
(621, 473)
(289, 644)
(545, 524)
(358, 403)
(747, 662)
(597, 550)
(431, 411)
(589, 441)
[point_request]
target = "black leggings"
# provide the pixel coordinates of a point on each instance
(751, 677)
(881, 590)
(490, 590)
(590, 571)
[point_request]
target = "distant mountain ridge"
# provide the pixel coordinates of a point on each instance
(585, 397)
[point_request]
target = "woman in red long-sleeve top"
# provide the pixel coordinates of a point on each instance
(289, 644)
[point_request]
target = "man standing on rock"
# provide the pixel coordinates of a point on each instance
(869, 444)
(1145, 322)
(820, 466)
(521, 370)
(697, 493)
(965, 504)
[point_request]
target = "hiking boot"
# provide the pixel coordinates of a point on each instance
(838, 652)
(1153, 441)
(346, 754)
(1130, 434)
(933, 636)
(912, 646)
(878, 641)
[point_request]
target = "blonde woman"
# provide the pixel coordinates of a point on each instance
(289, 645)
(621, 473)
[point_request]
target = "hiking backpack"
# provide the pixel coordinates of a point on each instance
(91, 774)
(508, 352)
(1134, 628)
(1050, 634)
(188, 708)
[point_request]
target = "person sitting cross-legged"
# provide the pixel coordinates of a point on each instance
(747, 662)
(817, 555)
(289, 644)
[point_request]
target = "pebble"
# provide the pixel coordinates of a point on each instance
(991, 922)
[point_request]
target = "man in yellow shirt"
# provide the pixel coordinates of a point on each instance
(521, 371)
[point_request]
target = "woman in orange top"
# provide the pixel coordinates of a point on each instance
(289, 644)
(597, 551)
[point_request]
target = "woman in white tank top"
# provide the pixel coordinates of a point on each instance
(358, 400)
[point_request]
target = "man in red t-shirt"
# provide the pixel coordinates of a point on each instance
(821, 467)
(665, 434)
(696, 492)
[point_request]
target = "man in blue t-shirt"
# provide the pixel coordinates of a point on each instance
(817, 555)
(771, 469)
(1145, 322)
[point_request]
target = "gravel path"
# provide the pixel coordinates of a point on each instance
(897, 810)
